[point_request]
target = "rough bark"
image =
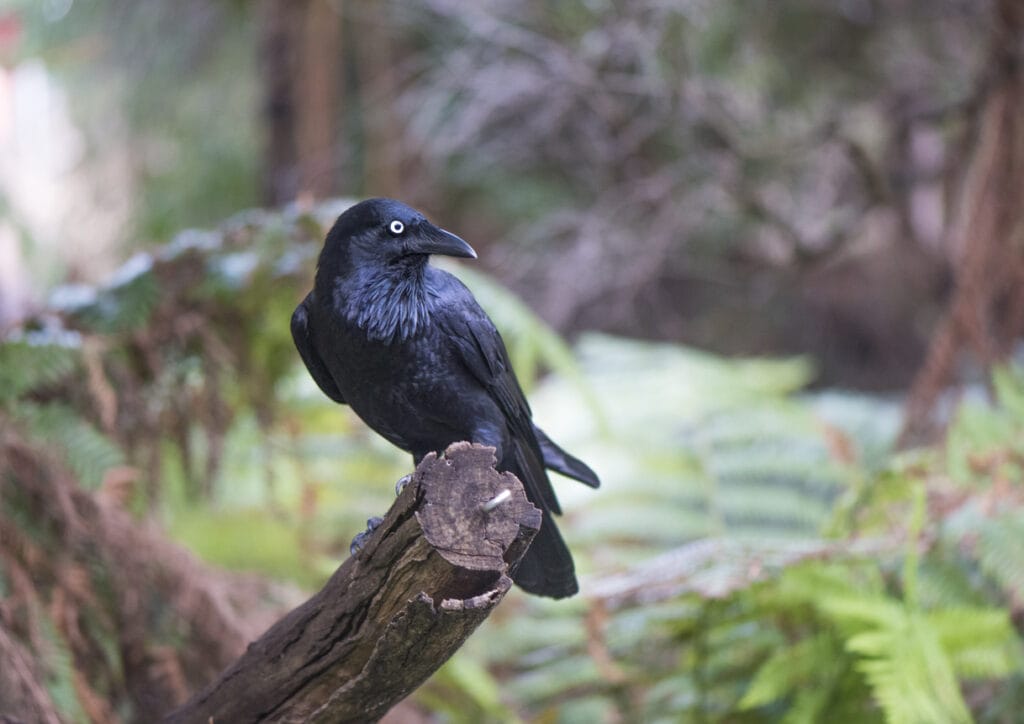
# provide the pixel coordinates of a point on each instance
(985, 316)
(281, 27)
(301, 76)
(390, 615)
(318, 88)
(378, 58)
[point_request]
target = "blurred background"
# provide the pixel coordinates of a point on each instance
(761, 265)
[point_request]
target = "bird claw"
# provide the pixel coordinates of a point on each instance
(402, 482)
(360, 539)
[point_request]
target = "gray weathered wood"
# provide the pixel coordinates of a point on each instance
(391, 615)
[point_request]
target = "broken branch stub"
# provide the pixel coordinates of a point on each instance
(392, 614)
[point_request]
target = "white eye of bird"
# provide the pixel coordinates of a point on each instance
(396, 227)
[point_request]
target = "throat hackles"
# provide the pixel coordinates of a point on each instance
(391, 304)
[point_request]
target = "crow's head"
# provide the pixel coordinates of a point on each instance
(385, 232)
(373, 267)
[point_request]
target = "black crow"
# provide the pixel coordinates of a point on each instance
(409, 349)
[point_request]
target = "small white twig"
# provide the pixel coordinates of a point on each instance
(496, 500)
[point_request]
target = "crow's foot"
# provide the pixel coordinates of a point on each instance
(360, 540)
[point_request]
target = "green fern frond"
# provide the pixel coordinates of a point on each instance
(981, 430)
(546, 681)
(980, 642)
(802, 665)
(1008, 383)
(1000, 551)
(809, 584)
(909, 673)
(86, 451)
(124, 304)
(768, 469)
(860, 615)
(60, 670)
(33, 360)
(944, 582)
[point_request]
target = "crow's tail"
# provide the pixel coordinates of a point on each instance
(547, 568)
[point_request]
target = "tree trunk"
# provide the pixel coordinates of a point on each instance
(432, 571)
(281, 22)
(302, 80)
(986, 314)
(378, 88)
(318, 89)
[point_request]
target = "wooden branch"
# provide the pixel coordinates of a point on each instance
(393, 613)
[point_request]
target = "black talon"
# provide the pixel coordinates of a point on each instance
(360, 539)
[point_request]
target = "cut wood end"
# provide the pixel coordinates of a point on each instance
(471, 453)
(454, 515)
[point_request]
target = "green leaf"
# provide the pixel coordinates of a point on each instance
(34, 360)
(1008, 382)
(981, 643)
(85, 450)
(909, 673)
(805, 665)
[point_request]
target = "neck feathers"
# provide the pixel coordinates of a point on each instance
(388, 304)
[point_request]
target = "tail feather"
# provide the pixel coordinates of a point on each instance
(557, 459)
(547, 568)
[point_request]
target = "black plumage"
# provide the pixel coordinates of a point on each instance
(409, 349)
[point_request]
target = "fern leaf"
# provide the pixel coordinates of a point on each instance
(60, 664)
(981, 643)
(33, 360)
(1009, 389)
(853, 614)
(86, 451)
(999, 549)
(910, 675)
(790, 669)
(125, 303)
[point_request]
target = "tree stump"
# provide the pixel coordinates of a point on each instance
(432, 571)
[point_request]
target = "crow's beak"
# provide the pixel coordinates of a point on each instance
(429, 239)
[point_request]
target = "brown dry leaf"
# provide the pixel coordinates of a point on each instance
(597, 647)
(118, 486)
(165, 667)
(96, 707)
(99, 386)
(840, 446)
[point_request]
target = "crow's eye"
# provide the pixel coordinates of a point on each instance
(396, 227)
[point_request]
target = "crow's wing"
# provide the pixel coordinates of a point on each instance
(302, 335)
(547, 567)
(483, 353)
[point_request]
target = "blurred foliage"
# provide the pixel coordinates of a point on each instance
(756, 553)
(896, 605)
(192, 147)
(704, 163)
